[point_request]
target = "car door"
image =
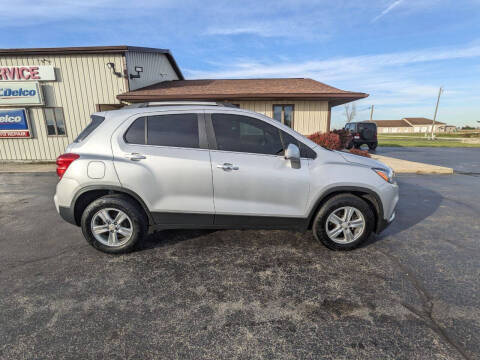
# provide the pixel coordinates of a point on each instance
(162, 158)
(253, 183)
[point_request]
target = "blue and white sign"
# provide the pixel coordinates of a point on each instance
(20, 93)
(14, 123)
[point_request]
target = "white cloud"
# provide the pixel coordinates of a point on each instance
(387, 10)
(393, 80)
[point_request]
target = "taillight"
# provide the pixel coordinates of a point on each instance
(64, 161)
(356, 136)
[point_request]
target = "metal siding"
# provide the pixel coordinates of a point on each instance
(309, 116)
(154, 64)
(82, 82)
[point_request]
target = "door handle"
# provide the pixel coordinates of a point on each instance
(227, 166)
(135, 156)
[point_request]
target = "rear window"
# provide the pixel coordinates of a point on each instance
(96, 121)
(371, 126)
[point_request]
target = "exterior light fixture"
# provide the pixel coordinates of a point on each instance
(111, 66)
(138, 69)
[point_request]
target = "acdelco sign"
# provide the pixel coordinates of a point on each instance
(20, 93)
(14, 124)
(27, 73)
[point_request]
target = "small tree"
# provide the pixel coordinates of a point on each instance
(350, 111)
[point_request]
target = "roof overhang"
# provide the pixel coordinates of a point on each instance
(333, 99)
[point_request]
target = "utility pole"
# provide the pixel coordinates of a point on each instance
(436, 109)
(371, 112)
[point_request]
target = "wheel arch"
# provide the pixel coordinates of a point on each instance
(372, 199)
(90, 193)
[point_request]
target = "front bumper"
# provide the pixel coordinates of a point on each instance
(384, 223)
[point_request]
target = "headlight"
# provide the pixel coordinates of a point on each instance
(386, 174)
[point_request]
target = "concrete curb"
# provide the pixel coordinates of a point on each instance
(27, 167)
(411, 167)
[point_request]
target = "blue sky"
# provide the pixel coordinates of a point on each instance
(398, 51)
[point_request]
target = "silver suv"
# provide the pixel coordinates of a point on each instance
(205, 165)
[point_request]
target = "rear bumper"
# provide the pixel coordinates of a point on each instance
(364, 141)
(67, 214)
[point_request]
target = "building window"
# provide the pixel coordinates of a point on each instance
(284, 114)
(55, 121)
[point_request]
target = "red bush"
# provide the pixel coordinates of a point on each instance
(360, 152)
(344, 135)
(327, 140)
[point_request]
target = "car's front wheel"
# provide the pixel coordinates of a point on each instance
(372, 146)
(344, 222)
(113, 224)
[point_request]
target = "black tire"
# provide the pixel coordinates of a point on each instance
(372, 146)
(135, 213)
(336, 203)
(358, 146)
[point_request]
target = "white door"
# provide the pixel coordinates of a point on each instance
(160, 159)
(251, 177)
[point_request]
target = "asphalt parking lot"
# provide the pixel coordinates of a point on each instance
(411, 293)
(459, 159)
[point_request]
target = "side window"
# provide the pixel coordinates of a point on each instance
(245, 134)
(283, 114)
(136, 132)
(95, 122)
(55, 121)
(178, 130)
(305, 151)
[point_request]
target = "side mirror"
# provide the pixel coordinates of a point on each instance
(293, 154)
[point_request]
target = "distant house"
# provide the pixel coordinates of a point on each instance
(421, 124)
(393, 126)
(412, 125)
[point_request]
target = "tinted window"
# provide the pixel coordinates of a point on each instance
(179, 130)
(364, 126)
(244, 134)
(96, 121)
(136, 132)
(305, 151)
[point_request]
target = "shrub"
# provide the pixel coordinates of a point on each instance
(327, 140)
(360, 152)
(344, 135)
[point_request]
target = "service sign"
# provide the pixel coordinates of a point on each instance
(14, 124)
(20, 93)
(27, 73)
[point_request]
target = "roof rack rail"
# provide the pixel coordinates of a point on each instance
(177, 103)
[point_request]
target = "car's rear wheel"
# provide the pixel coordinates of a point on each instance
(372, 146)
(113, 224)
(344, 222)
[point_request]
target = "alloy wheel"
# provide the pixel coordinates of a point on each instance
(111, 227)
(345, 225)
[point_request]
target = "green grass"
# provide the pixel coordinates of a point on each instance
(421, 142)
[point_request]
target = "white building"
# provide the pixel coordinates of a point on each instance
(47, 95)
(412, 125)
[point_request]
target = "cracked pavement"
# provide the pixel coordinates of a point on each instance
(411, 293)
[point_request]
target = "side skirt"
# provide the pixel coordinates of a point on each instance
(209, 221)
